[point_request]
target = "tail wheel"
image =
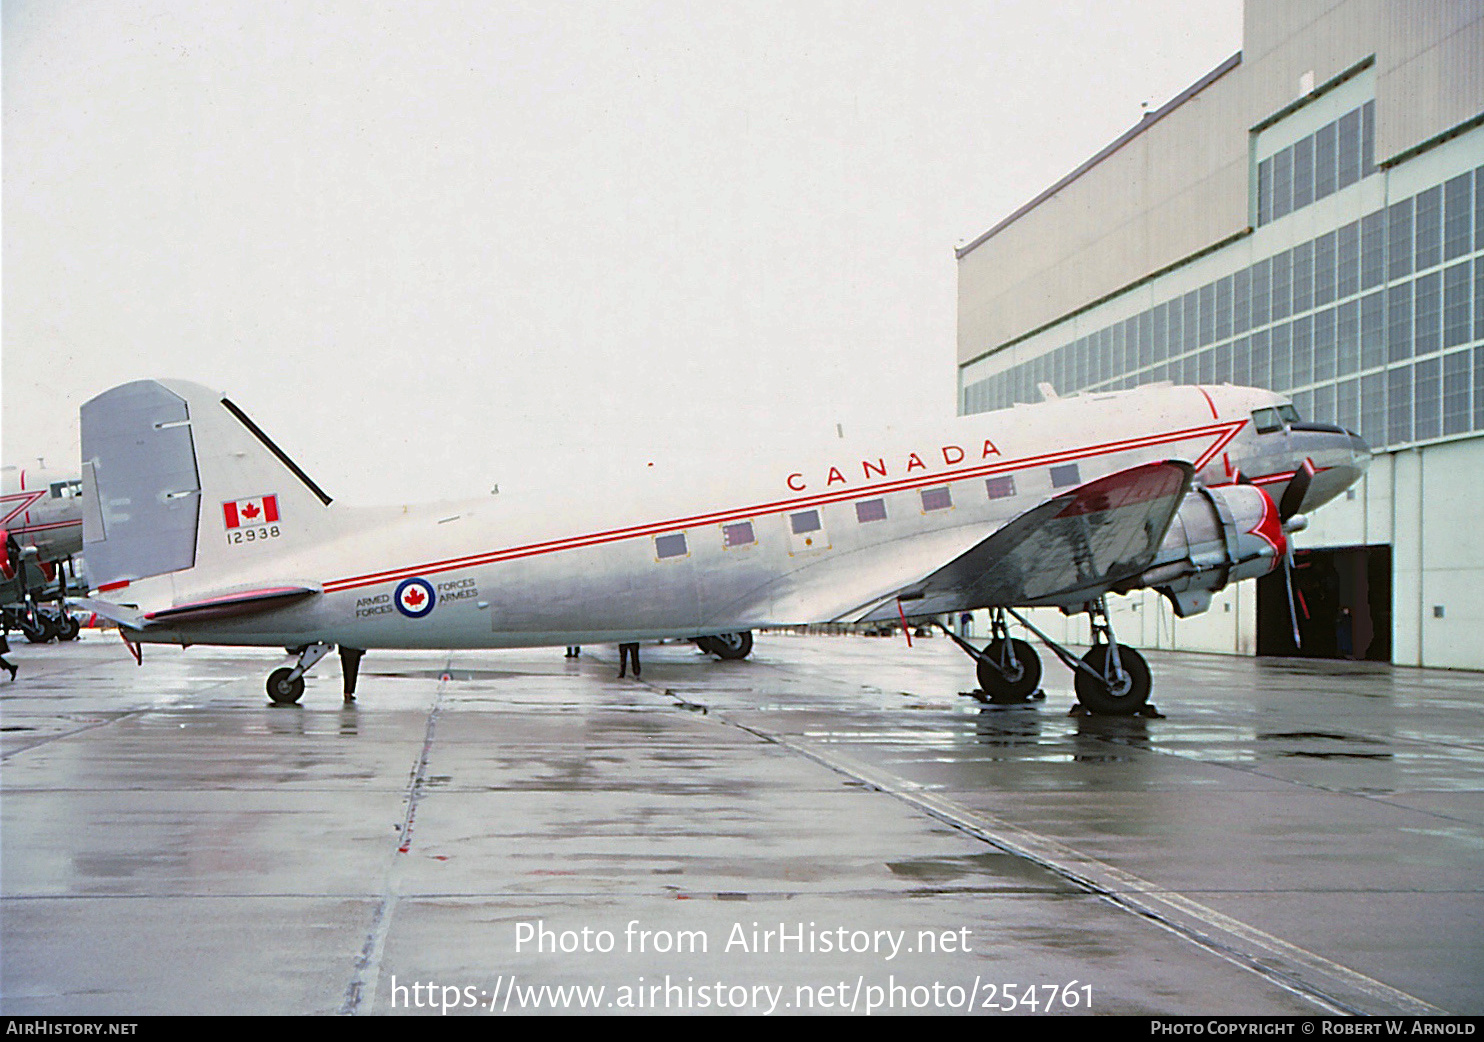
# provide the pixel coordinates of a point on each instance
(731, 646)
(1001, 688)
(282, 690)
(1123, 695)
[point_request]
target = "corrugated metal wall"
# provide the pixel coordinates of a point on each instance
(1181, 185)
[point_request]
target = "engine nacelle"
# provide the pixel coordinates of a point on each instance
(1219, 536)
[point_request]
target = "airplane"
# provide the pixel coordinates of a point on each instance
(199, 529)
(40, 531)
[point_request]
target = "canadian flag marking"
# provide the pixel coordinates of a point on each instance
(259, 510)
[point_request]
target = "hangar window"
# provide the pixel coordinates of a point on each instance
(936, 499)
(804, 521)
(1001, 487)
(870, 510)
(672, 545)
(739, 534)
(1065, 475)
(1319, 164)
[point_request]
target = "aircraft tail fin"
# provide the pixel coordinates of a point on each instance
(175, 476)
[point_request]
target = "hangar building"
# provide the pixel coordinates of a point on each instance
(1309, 217)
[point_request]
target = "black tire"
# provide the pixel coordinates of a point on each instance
(731, 646)
(282, 690)
(1123, 699)
(68, 628)
(998, 689)
(39, 632)
(708, 645)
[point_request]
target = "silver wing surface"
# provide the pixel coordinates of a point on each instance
(1071, 549)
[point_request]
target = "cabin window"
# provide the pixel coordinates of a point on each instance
(1065, 475)
(672, 545)
(870, 510)
(1001, 486)
(936, 499)
(804, 521)
(739, 534)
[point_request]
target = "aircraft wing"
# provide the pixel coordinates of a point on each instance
(1070, 549)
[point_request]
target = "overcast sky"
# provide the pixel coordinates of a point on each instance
(432, 246)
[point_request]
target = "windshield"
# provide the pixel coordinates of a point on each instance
(1266, 421)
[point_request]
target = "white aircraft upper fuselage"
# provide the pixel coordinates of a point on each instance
(718, 544)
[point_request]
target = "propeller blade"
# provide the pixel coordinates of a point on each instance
(1298, 488)
(1292, 608)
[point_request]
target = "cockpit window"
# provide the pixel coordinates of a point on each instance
(1267, 421)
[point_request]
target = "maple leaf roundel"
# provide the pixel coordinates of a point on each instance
(415, 598)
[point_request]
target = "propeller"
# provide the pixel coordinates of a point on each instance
(1298, 488)
(1288, 510)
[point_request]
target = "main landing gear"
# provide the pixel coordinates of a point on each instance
(41, 623)
(286, 685)
(1009, 669)
(730, 646)
(1112, 679)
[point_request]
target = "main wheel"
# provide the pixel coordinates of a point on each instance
(40, 631)
(281, 689)
(1124, 696)
(1017, 686)
(68, 628)
(731, 646)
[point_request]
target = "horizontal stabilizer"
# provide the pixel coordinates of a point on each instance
(202, 609)
(230, 605)
(129, 618)
(1070, 549)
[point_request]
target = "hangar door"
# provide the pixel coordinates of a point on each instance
(1344, 605)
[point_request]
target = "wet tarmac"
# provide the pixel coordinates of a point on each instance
(827, 826)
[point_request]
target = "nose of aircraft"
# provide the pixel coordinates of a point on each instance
(1340, 460)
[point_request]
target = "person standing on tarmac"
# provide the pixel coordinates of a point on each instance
(5, 650)
(626, 653)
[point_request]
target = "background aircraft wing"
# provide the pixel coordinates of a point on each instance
(1070, 549)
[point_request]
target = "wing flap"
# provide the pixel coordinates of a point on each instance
(1074, 547)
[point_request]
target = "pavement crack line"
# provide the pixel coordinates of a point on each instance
(361, 991)
(1332, 987)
